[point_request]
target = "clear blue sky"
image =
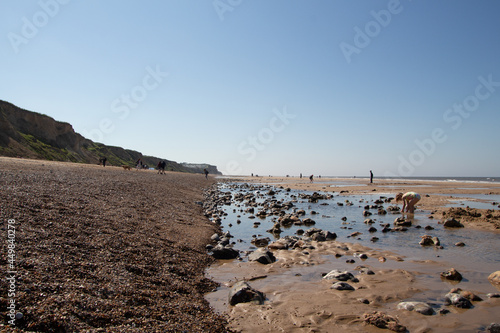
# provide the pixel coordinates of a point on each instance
(324, 87)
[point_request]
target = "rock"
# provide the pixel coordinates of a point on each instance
(452, 274)
(452, 223)
(263, 256)
(381, 211)
(366, 271)
(374, 239)
(493, 328)
(368, 221)
(363, 300)
(372, 229)
(340, 276)
(307, 221)
(457, 300)
(419, 307)
(402, 222)
(381, 320)
(260, 242)
(493, 295)
(460, 244)
(428, 240)
(278, 245)
(494, 278)
(224, 252)
(342, 286)
(318, 237)
(241, 292)
(215, 237)
(329, 235)
(366, 213)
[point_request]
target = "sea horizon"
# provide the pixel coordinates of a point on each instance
(465, 179)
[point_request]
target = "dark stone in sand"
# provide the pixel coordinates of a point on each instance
(263, 256)
(457, 300)
(452, 274)
(452, 223)
(340, 276)
(493, 328)
(224, 252)
(241, 292)
(419, 307)
(342, 286)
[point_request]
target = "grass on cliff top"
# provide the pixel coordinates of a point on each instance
(49, 152)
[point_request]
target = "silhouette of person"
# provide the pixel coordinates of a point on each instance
(371, 177)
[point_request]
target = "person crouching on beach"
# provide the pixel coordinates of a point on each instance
(409, 201)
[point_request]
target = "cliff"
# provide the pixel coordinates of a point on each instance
(33, 135)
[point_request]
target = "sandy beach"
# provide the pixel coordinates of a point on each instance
(104, 249)
(299, 300)
(110, 250)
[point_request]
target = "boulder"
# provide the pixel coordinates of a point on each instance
(224, 252)
(493, 328)
(340, 276)
(419, 307)
(494, 278)
(428, 240)
(318, 237)
(457, 300)
(278, 245)
(452, 274)
(342, 286)
(263, 256)
(260, 242)
(382, 320)
(329, 235)
(402, 222)
(452, 223)
(241, 292)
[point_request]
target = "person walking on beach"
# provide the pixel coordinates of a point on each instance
(409, 201)
(138, 164)
(161, 167)
(311, 177)
(371, 177)
(205, 171)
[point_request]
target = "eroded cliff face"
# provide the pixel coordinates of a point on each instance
(33, 135)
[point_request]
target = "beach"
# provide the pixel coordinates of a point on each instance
(103, 249)
(298, 299)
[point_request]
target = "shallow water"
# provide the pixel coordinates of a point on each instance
(343, 214)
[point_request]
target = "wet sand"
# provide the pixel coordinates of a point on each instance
(299, 300)
(105, 249)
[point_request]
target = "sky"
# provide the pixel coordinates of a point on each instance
(283, 87)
